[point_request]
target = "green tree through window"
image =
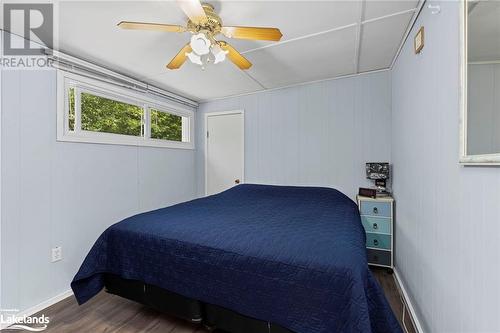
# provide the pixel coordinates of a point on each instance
(101, 114)
(71, 115)
(166, 126)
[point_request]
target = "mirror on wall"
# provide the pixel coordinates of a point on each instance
(481, 103)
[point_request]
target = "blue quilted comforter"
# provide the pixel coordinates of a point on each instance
(294, 256)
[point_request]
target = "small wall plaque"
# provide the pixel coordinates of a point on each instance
(419, 40)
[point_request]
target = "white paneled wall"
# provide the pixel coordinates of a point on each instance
(316, 134)
(65, 194)
(447, 215)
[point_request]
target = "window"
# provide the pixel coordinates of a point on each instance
(97, 112)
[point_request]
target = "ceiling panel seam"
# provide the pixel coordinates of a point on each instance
(416, 13)
(388, 16)
(362, 21)
(300, 38)
(255, 80)
(357, 49)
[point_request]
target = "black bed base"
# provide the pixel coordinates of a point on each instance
(212, 316)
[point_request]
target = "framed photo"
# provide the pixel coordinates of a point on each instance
(419, 40)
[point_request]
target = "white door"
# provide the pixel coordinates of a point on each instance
(224, 151)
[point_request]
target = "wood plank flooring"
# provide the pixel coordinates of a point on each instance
(107, 313)
(394, 298)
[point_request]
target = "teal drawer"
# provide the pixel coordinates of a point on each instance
(376, 208)
(379, 257)
(378, 241)
(376, 224)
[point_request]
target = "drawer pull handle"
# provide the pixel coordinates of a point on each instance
(375, 210)
(375, 226)
(375, 242)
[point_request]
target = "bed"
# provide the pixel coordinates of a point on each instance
(292, 257)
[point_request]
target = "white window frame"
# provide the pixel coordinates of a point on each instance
(66, 80)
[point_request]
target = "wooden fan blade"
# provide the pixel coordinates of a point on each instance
(194, 10)
(236, 57)
(180, 58)
(151, 26)
(273, 34)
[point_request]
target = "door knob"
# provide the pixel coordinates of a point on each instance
(236, 181)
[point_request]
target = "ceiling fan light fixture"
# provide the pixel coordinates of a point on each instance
(205, 25)
(200, 44)
(219, 54)
(195, 59)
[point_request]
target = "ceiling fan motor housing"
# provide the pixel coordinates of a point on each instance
(213, 24)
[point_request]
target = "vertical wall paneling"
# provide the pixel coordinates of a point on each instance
(315, 134)
(447, 215)
(66, 194)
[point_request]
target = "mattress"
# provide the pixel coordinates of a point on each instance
(294, 256)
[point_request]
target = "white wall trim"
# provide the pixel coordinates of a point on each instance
(41, 306)
(418, 9)
(222, 113)
(466, 158)
(296, 85)
(66, 80)
(491, 62)
(407, 301)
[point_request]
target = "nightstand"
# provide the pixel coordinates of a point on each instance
(377, 216)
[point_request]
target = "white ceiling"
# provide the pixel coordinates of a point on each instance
(321, 40)
(484, 31)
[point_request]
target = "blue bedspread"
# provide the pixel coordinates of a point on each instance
(294, 256)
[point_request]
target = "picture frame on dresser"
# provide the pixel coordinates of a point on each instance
(377, 217)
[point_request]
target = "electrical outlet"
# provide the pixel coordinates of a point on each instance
(56, 254)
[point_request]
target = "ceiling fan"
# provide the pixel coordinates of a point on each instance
(204, 24)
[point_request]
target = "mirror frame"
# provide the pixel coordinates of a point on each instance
(465, 159)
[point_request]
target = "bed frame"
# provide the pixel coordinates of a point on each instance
(212, 316)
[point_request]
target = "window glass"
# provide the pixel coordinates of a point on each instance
(166, 126)
(101, 114)
(71, 114)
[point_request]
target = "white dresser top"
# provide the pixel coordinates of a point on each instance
(387, 199)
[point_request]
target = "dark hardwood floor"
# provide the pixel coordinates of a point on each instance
(113, 314)
(394, 298)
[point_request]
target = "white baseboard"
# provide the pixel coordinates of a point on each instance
(40, 306)
(407, 300)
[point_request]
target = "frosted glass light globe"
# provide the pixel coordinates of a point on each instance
(219, 54)
(200, 44)
(195, 59)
